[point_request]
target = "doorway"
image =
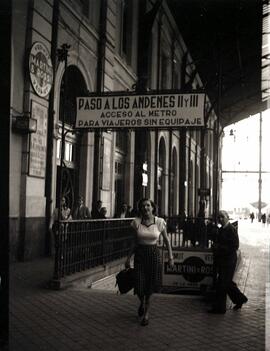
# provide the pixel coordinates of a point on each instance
(72, 85)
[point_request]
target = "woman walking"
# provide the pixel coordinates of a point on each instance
(147, 261)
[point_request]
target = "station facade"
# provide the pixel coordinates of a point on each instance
(112, 46)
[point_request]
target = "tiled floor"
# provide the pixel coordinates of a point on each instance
(100, 319)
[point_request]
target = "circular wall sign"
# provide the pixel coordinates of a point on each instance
(40, 68)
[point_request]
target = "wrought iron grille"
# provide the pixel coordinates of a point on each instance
(84, 244)
(194, 232)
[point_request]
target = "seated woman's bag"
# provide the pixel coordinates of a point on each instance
(125, 280)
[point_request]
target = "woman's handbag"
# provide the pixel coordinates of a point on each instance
(125, 280)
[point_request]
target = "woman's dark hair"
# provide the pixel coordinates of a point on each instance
(140, 203)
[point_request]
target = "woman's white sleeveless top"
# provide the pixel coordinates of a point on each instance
(148, 234)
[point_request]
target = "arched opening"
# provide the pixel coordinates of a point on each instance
(121, 149)
(190, 190)
(173, 187)
(142, 165)
(197, 186)
(161, 177)
(146, 167)
(72, 86)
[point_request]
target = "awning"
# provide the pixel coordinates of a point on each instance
(225, 42)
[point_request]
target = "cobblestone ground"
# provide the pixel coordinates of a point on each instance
(98, 319)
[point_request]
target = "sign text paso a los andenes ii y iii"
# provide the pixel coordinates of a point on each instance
(141, 111)
(40, 69)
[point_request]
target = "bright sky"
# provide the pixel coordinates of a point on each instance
(241, 153)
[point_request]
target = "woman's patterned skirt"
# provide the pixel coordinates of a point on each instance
(147, 264)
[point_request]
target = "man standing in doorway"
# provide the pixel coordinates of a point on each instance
(95, 213)
(81, 211)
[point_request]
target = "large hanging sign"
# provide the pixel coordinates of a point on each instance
(40, 68)
(191, 270)
(141, 111)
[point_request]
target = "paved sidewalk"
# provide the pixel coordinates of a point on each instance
(97, 319)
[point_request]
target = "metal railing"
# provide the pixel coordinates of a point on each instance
(191, 232)
(84, 244)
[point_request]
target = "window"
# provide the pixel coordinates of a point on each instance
(69, 154)
(150, 63)
(164, 70)
(90, 9)
(94, 13)
(175, 80)
(69, 151)
(121, 142)
(119, 168)
(160, 174)
(84, 4)
(173, 185)
(176, 73)
(125, 30)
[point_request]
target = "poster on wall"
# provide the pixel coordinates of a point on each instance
(191, 270)
(38, 141)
